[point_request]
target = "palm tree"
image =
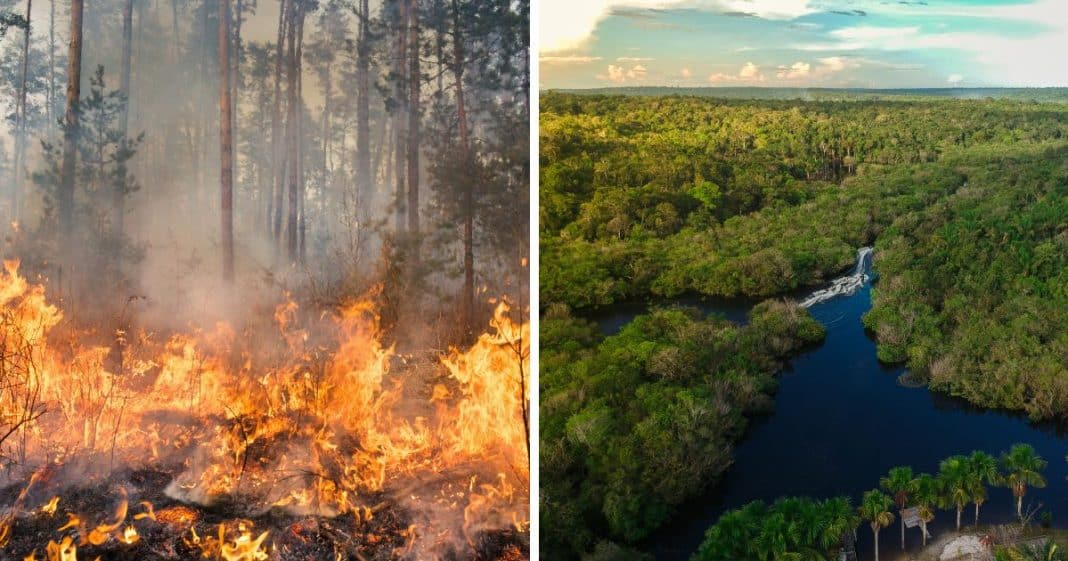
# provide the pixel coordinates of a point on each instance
(953, 475)
(839, 519)
(983, 471)
(773, 539)
(899, 483)
(925, 495)
(875, 508)
(1023, 468)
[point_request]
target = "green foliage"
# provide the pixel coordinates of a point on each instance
(974, 289)
(792, 528)
(796, 525)
(656, 197)
(633, 424)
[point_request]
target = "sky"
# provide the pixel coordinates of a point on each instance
(803, 43)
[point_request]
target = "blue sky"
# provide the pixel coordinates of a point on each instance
(803, 43)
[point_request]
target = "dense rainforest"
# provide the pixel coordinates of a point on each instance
(655, 197)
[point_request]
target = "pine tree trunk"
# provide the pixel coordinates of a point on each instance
(468, 296)
(413, 117)
(278, 167)
(291, 135)
(301, 183)
(235, 75)
(363, 113)
(50, 99)
(399, 63)
(118, 204)
(20, 119)
(226, 147)
(70, 133)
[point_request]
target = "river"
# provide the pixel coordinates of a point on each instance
(841, 420)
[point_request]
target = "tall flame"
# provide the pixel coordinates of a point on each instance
(309, 417)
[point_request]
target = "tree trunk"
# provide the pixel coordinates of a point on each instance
(235, 75)
(278, 167)
(468, 296)
(118, 204)
(399, 62)
(959, 510)
(923, 528)
(20, 118)
(1019, 506)
(876, 534)
(226, 147)
(291, 135)
(70, 137)
(977, 514)
(301, 183)
(413, 116)
(363, 113)
(902, 530)
(50, 99)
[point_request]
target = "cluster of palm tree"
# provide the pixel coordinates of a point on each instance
(960, 481)
(792, 529)
(803, 529)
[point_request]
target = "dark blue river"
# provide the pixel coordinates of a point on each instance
(841, 421)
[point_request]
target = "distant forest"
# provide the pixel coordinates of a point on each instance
(833, 94)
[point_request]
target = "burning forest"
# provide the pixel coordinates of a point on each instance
(264, 287)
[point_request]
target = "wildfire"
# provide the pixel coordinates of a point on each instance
(309, 418)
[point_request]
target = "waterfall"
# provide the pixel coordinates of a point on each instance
(848, 284)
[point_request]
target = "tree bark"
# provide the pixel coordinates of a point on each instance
(20, 119)
(301, 184)
(278, 163)
(363, 113)
(468, 296)
(70, 133)
(291, 134)
(876, 534)
(226, 148)
(235, 74)
(902, 529)
(118, 204)
(399, 63)
(50, 99)
(413, 116)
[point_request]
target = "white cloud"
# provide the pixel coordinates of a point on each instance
(871, 33)
(619, 74)
(955, 79)
(834, 63)
(749, 73)
(568, 24)
(685, 73)
(568, 59)
(795, 70)
(634, 59)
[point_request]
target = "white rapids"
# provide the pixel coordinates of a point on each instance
(846, 285)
